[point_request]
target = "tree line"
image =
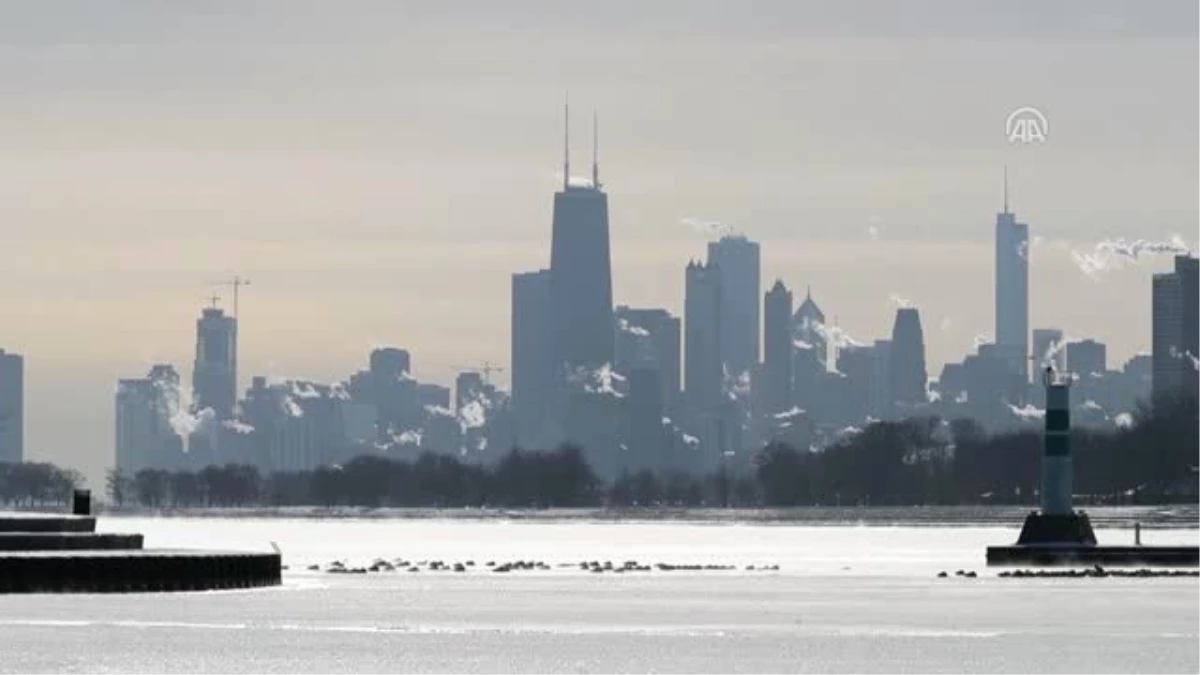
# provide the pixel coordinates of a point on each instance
(916, 461)
(35, 484)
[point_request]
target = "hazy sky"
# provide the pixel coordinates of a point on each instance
(378, 169)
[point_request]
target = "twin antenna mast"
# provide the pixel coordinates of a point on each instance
(567, 146)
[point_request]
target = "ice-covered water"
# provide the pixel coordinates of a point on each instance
(850, 598)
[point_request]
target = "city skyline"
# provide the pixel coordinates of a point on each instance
(362, 266)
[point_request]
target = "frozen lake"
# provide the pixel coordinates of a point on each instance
(845, 598)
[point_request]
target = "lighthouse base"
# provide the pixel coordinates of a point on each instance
(1067, 528)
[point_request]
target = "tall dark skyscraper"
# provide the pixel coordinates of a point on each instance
(532, 362)
(907, 360)
(704, 376)
(581, 271)
(1012, 288)
(214, 375)
(12, 407)
(738, 259)
(1174, 328)
(778, 348)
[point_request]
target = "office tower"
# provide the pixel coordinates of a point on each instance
(1048, 350)
(214, 375)
(435, 395)
(298, 425)
(389, 363)
(1086, 357)
(1167, 333)
(858, 366)
(1012, 288)
(738, 259)
(1176, 327)
(395, 393)
(533, 365)
(650, 338)
(703, 373)
(581, 274)
(648, 448)
(881, 406)
(908, 374)
(145, 436)
(810, 363)
(778, 348)
(468, 387)
(12, 408)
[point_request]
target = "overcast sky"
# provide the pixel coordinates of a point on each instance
(378, 169)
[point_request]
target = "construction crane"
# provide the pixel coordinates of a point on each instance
(237, 282)
(487, 369)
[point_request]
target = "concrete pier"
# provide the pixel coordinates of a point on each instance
(52, 553)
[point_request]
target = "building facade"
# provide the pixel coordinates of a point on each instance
(12, 408)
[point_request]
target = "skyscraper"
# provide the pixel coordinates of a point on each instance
(1085, 357)
(738, 259)
(1174, 328)
(908, 374)
(12, 408)
(395, 391)
(533, 371)
(581, 273)
(1012, 288)
(650, 338)
(145, 437)
(214, 375)
(1049, 349)
(810, 363)
(1167, 332)
(703, 374)
(778, 348)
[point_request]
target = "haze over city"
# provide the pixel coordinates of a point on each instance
(379, 175)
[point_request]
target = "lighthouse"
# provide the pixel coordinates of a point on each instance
(1057, 523)
(1057, 471)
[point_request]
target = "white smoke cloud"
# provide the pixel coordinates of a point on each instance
(177, 403)
(1123, 420)
(708, 227)
(801, 344)
(874, 227)
(831, 334)
(1174, 353)
(603, 380)
(238, 427)
(292, 408)
(1111, 254)
(736, 387)
(691, 440)
(627, 327)
(1027, 412)
(901, 302)
(439, 411)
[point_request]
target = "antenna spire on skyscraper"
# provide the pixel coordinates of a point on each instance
(566, 140)
(595, 150)
(1006, 188)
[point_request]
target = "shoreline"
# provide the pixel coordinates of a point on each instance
(1175, 516)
